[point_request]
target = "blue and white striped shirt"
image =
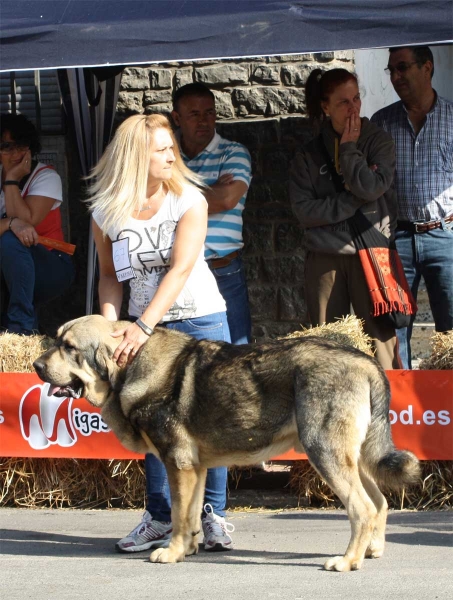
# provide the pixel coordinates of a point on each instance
(222, 156)
(424, 161)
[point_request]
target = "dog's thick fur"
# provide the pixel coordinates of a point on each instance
(199, 404)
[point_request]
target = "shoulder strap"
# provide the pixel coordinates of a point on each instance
(25, 190)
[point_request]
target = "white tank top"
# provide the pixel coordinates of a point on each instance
(150, 247)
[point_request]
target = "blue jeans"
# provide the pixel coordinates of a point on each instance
(233, 287)
(32, 277)
(212, 327)
(428, 255)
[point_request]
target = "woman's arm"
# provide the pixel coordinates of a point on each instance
(24, 232)
(110, 289)
(32, 209)
(312, 211)
(189, 240)
(363, 181)
(35, 207)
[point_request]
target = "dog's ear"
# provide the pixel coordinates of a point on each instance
(103, 356)
(105, 365)
(65, 327)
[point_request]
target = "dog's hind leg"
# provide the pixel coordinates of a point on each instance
(361, 513)
(184, 490)
(337, 463)
(376, 546)
(333, 417)
(346, 483)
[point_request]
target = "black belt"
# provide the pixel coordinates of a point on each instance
(422, 227)
(217, 263)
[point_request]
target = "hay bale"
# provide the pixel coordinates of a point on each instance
(441, 357)
(434, 492)
(72, 483)
(18, 352)
(348, 331)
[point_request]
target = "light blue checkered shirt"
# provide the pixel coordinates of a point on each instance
(424, 162)
(219, 157)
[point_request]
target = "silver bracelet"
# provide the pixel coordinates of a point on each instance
(144, 327)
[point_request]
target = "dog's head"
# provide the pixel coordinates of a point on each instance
(81, 361)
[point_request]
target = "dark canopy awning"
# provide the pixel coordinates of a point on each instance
(42, 34)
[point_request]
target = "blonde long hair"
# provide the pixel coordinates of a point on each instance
(119, 180)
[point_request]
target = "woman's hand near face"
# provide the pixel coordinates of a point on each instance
(24, 232)
(19, 170)
(352, 128)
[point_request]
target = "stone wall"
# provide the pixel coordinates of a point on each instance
(260, 103)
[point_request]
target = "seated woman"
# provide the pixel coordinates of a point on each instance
(30, 198)
(348, 167)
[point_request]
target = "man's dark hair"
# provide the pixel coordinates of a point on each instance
(421, 54)
(191, 90)
(21, 131)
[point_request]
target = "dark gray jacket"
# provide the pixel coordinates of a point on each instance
(321, 210)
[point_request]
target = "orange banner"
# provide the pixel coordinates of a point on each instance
(32, 423)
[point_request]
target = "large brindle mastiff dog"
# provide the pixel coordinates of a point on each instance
(199, 404)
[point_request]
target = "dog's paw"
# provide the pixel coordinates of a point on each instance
(166, 555)
(374, 551)
(342, 564)
(192, 547)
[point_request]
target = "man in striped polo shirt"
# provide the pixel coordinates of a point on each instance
(225, 167)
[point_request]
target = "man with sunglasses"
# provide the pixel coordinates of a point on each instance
(421, 124)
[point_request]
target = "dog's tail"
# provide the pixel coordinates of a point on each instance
(390, 467)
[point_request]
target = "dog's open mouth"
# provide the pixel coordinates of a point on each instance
(74, 390)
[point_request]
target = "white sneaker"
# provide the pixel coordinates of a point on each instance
(148, 534)
(216, 530)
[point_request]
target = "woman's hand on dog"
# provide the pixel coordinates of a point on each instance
(134, 338)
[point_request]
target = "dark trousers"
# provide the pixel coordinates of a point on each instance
(334, 283)
(30, 278)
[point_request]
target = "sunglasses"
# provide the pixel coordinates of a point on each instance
(400, 68)
(9, 147)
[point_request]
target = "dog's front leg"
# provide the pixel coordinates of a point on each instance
(195, 510)
(114, 417)
(185, 491)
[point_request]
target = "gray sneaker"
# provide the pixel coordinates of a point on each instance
(148, 534)
(216, 531)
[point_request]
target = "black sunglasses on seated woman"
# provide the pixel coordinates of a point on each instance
(8, 147)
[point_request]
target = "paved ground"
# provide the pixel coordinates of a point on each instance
(68, 554)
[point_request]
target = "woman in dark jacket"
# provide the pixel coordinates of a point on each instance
(349, 166)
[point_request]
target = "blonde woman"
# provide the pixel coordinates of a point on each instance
(150, 223)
